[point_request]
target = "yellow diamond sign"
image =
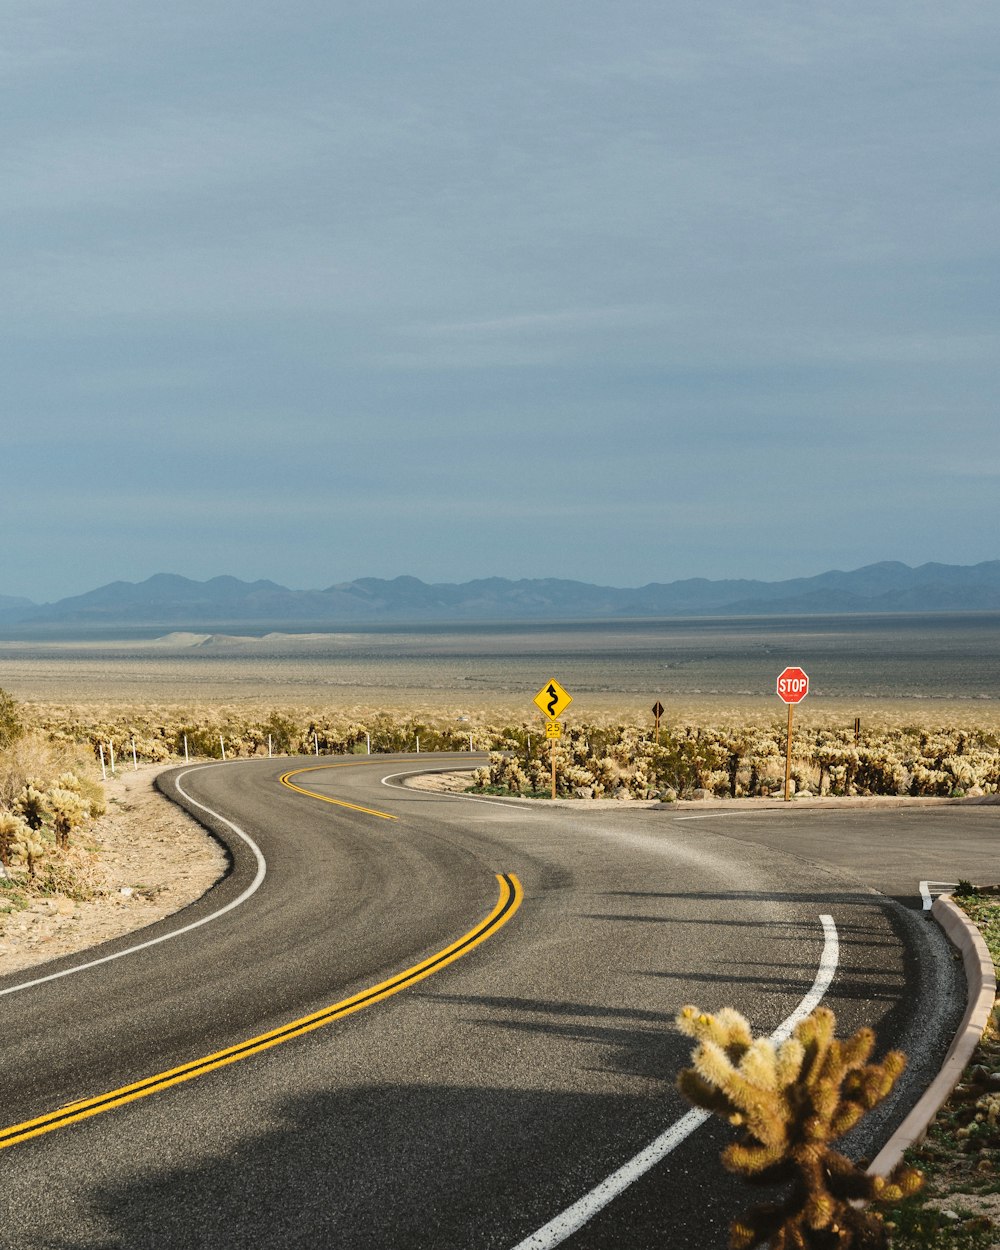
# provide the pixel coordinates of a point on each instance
(552, 699)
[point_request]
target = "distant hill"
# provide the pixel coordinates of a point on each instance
(171, 602)
(11, 603)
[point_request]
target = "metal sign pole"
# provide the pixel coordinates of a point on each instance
(788, 755)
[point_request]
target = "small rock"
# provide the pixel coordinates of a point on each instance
(951, 1215)
(126, 891)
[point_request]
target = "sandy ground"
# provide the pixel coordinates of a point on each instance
(152, 860)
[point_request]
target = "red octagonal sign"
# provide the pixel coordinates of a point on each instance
(793, 685)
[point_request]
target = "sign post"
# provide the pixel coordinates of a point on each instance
(553, 701)
(793, 686)
(657, 713)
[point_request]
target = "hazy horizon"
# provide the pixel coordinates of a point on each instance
(750, 577)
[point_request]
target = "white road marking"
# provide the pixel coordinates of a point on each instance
(444, 794)
(723, 815)
(195, 924)
(928, 890)
(574, 1217)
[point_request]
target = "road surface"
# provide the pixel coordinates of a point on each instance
(505, 1078)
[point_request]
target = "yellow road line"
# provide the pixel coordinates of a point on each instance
(507, 904)
(324, 798)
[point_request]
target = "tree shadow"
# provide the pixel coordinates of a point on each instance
(405, 1168)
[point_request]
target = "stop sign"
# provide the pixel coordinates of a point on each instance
(793, 685)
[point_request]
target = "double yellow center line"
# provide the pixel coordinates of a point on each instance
(286, 780)
(509, 900)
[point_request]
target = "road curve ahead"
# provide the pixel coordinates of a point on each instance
(415, 1020)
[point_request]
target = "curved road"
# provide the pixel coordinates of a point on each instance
(474, 1107)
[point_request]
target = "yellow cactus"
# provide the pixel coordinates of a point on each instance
(790, 1101)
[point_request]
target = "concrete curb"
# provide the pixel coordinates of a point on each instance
(982, 989)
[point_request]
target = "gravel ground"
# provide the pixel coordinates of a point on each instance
(151, 859)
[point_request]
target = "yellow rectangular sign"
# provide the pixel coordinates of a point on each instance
(552, 699)
(553, 729)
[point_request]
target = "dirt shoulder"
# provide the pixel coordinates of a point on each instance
(147, 860)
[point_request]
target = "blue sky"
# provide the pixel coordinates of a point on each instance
(622, 292)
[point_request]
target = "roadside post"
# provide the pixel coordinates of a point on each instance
(553, 700)
(657, 713)
(793, 686)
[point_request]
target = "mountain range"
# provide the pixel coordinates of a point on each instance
(170, 601)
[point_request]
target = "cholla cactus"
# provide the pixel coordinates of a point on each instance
(68, 810)
(29, 847)
(30, 805)
(791, 1100)
(12, 830)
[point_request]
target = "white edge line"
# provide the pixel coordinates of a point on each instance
(195, 924)
(574, 1217)
(723, 815)
(467, 798)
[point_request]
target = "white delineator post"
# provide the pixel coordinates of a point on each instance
(368, 739)
(187, 759)
(268, 746)
(111, 748)
(316, 744)
(223, 745)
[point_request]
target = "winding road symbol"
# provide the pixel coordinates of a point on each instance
(553, 699)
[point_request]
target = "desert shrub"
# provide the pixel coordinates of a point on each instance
(69, 811)
(31, 806)
(29, 847)
(13, 829)
(11, 723)
(200, 741)
(598, 759)
(685, 761)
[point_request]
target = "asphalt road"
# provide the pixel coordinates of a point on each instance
(469, 1110)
